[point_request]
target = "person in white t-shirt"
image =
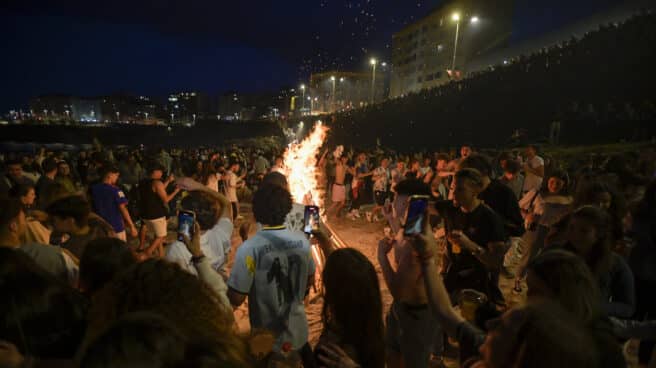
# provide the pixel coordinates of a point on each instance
(533, 169)
(213, 215)
(232, 183)
(382, 178)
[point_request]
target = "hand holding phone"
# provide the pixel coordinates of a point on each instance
(415, 218)
(311, 220)
(186, 220)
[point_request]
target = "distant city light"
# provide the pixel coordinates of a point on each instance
(474, 19)
(455, 17)
(372, 61)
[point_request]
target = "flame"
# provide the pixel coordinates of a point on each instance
(300, 165)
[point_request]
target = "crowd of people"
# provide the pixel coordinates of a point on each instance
(553, 94)
(91, 277)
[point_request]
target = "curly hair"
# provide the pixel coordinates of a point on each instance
(164, 288)
(271, 204)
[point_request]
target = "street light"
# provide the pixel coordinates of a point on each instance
(118, 116)
(302, 98)
(332, 78)
(456, 18)
(172, 115)
(373, 77)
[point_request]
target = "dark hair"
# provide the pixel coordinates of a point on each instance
(478, 162)
(9, 211)
(512, 166)
(20, 190)
(206, 208)
(271, 204)
(136, 340)
(472, 175)
(600, 257)
(412, 187)
(647, 206)
(108, 169)
(353, 306)
(49, 164)
(443, 157)
(586, 196)
(152, 166)
(275, 178)
(558, 174)
(74, 206)
(571, 282)
(102, 259)
(14, 161)
(39, 314)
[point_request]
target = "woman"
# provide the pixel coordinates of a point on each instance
(589, 237)
(601, 195)
(541, 211)
(352, 311)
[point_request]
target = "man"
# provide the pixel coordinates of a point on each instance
(381, 177)
(231, 184)
(533, 170)
(47, 180)
(360, 174)
(397, 174)
(465, 151)
(261, 164)
(110, 203)
(13, 229)
(74, 223)
(513, 178)
(475, 238)
(13, 176)
(501, 199)
(214, 219)
(274, 269)
(339, 189)
(153, 207)
(411, 329)
(65, 178)
(279, 165)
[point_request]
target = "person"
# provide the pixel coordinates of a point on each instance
(274, 269)
(539, 334)
(49, 167)
(26, 194)
(187, 303)
(64, 177)
(512, 177)
(40, 316)
(102, 260)
(339, 190)
(542, 210)
(232, 183)
(130, 170)
(588, 235)
(153, 207)
(261, 164)
(148, 340)
(73, 221)
(213, 215)
(360, 174)
(465, 150)
(14, 175)
(13, 233)
(381, 177)
(600, 194)
(278, 165)
(110, 203)
(533, 170)
(210, 176)
(397, 174)
(411, 330)
(476, 239)
(352, 311)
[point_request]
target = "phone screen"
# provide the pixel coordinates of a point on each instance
(185, 224)
(311, 220)
(415, 217)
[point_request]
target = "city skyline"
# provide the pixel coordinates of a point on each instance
(88, 49)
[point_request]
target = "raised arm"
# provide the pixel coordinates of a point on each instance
(190, 184)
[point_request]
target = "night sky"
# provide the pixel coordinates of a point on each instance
(160, 46)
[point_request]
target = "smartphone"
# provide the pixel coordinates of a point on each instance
(311, 219)
(415, 218)
(186, 220)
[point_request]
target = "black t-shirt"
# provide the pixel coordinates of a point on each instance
(503, 201)
(482, 226)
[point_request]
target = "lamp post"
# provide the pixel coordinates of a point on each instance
(373, 78)
(172, 115)
(302, 98)
(456, 18)
(146, 114)
(332, 104)
(117, 116)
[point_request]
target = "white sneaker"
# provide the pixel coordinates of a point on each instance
(356, 213)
